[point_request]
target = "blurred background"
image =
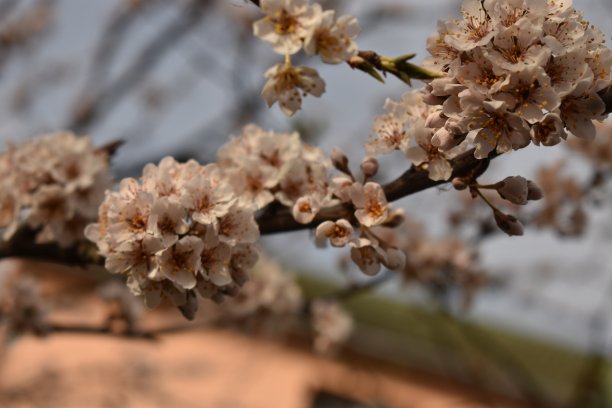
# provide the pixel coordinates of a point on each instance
(178, 78)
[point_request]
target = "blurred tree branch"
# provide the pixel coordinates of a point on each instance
(90, 109)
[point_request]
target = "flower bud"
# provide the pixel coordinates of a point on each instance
(433, 100)
(508, 223)
(459, 183)
(513, 189)
(435, 120)
(533, 191)
(395, 259)
(443, 139)
(369, 167)
(339, 160)
(190, 308)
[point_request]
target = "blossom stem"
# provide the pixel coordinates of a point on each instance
(485, 199)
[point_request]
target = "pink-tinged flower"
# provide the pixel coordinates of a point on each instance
(135, 257)
(338, 233)
(506, 13)
(128, 219)
(410, 107)
(238, 226)
(253, 183)
(341, 186)
(49, 204)
(180, 263)
(286, 23)
(492, 127)
(528, 93)
(443, 55)
(286, 84)
(162, 180)
(305, 209)
(475, 30)
(215, 262)
(206, 199)
(579, 109)
(333, 41)
(478, 74)
(565, 71)
(426, 155)
(389, 134)
(301, 179)
(563, 35)
(367, 255)
(549, 131)
(517, 47)
(600, 62)
(167, 221)
(559, 7)
(370, 203)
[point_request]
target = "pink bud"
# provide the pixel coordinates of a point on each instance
(339, 160)
(436, 120)
(369, 167)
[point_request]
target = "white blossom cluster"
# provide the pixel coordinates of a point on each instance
(181, 228)
(264, 166)
(53, 184)
(371, 209)
(516, 71)
(292, 25)
(409, 126)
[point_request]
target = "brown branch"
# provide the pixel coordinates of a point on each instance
(135, 334)
(276, 219)
(410, 182)
(94, 108)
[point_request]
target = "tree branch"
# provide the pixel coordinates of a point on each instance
(410, 182)
(93, 108)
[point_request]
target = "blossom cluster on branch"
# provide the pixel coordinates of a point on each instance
(516, 71)
(54, 184)
(510, 72)
(292, 25)
(180, 229)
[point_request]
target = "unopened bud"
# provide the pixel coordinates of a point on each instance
(190, 308)
(508, 223)
(369, 167)
(443, 139)
(459, 183)
(514, 189)
(339, 160)
(395, 259)
(436, 120)
(533, 191)
(433, 100)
